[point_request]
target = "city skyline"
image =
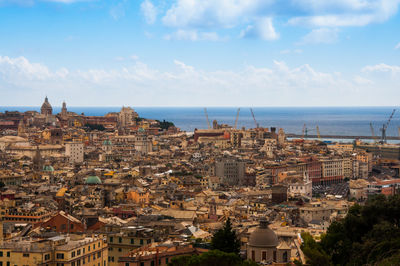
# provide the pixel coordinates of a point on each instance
(200, 53)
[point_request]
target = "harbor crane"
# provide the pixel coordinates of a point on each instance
(237, 118)
(305, 131)
(372, 131)
(208, 121)
(254, 118)
(385, 126)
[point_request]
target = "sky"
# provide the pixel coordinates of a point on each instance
(200, 52)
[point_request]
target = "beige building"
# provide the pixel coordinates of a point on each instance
(128, 238)
(73, 250)
(74, 151)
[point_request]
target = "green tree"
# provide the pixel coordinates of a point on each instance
(211, 258)
(225, 239)
(368, 235)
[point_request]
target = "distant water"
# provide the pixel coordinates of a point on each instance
(331, 120)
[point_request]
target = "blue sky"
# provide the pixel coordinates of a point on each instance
(200, 53)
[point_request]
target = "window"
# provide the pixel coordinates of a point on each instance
(120, 240)
(1, 253)
(8, 253)
(264, 255)
(285, 256)
(126, 263)
(63, 227)
(141, 241)
(60, 256)
(47, 257)
(94, 256)
(73, 254)
(83, 251)
(25, 255)
(88, 248)
(253, 255)
(98, 254)
(132, 241)
(148, 241)
(111, 239)
(79, 252)
(166, 260)
(120, 250)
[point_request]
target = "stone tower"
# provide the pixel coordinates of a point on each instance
(64, 109)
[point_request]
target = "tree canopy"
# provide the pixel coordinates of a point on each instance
(368, 235)
(225, 239)
(211, 258)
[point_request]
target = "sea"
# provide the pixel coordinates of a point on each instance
(352, 121)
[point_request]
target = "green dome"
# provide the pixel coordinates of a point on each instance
(48, 168)
(107, 142)
(93, 180)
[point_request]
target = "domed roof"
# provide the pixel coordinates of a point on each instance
(92, 180)
(48, 168)
(46, 104)
(263, 236)
(107, 142)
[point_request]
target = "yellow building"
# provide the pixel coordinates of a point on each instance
(73, 250)
(139, 196)
(129, 238)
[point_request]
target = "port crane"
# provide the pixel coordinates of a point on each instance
(385, 126)
(372, 131)
(306, 130)
(254, 118)
(208, 121)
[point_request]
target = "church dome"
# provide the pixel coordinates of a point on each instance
(107, 142)
(263, 236)
(46, 108)
(48, 168)
(93, 180)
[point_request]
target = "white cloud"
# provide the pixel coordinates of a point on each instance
(397, 46)
(192, 35)
(263, 29)
(134, 57)
(118, 11)
(208, 13)
(224, 14)
(278, 84)
(382, 68)
(339, 13)
(149, 11)
(322, 35)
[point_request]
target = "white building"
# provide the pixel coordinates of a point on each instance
(74, 151)
(301, 187)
